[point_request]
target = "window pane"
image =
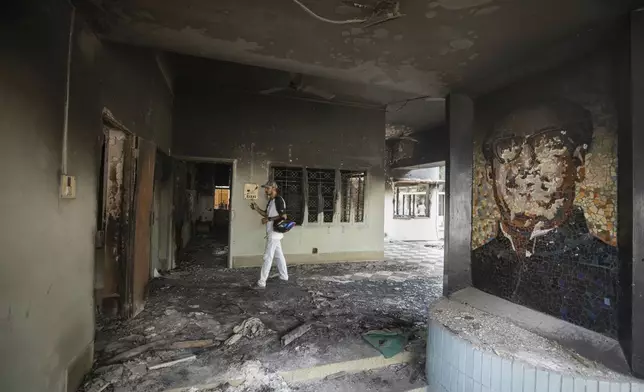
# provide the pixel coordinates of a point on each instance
(222, 199)
(421, 205)
(441, 204)
(290, 183)
(321, 195)
(353, 184)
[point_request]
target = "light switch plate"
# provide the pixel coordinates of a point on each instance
(67, 187)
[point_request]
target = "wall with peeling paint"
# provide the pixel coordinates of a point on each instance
(259, 131)
(47, 269)
(544, 208)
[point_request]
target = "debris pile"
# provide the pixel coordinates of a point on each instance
(252, 376)
(220, 251)
(250, 328)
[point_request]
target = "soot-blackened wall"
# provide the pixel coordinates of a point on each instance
(260, 132)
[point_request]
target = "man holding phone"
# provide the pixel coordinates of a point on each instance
(275, 211)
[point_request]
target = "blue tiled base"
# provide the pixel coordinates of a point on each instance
(454, 365)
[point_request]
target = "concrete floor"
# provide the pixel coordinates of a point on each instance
(203, 300)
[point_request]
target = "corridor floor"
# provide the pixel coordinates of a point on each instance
(203, 301)
(427, 254)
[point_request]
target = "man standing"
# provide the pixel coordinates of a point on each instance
(275, 210)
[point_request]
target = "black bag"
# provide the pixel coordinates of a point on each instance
(283, 225)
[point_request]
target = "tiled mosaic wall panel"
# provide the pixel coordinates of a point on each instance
(545, 195)
(454, 365)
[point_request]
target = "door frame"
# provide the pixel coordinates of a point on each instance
(233, 177)
(124, 244)
(142, 204)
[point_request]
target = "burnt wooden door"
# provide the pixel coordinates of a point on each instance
(109, 243)
(143, 199)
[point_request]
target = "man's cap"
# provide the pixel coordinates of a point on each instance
(270, 184)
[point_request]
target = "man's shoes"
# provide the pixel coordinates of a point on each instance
(283, 280)
(258, 286)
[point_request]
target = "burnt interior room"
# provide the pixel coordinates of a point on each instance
(137, 134)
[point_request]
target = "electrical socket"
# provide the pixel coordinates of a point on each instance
(67, 187)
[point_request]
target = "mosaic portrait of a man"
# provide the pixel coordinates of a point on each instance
(543, 255)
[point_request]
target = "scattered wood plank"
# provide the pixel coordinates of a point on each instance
(172, 363)
(191, 344)
(296, 333)
(99, 387)
(135, 352)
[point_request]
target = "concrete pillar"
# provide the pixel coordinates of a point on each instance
(631, 200)
(458, 222)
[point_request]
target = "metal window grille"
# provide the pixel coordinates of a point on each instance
(290, 182)
(321, 196)
(353, 190)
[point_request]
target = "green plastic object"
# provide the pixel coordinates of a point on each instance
(388, 342)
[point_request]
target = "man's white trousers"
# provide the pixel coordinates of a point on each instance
(273, 251)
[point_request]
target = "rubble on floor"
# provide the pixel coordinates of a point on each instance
(232, 334)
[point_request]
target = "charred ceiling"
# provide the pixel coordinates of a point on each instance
(387, 51)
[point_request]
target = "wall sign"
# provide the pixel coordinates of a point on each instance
(251, 191)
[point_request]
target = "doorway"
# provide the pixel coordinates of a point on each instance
(125, 202)
(161, 249)
(203, 211)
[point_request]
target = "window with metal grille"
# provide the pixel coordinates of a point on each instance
(352, 185)
(321, 196)
(290, 182)
(412, 201)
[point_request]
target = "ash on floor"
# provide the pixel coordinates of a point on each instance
(194, 310)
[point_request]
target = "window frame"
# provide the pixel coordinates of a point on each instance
(352, 214)
(320, 215)
(441, 211)
(337, 196)
(302, 221)
(412, 198)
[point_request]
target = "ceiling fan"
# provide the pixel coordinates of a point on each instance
(297, 85)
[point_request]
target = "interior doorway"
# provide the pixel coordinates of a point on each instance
(123, 234)
(203, 210)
